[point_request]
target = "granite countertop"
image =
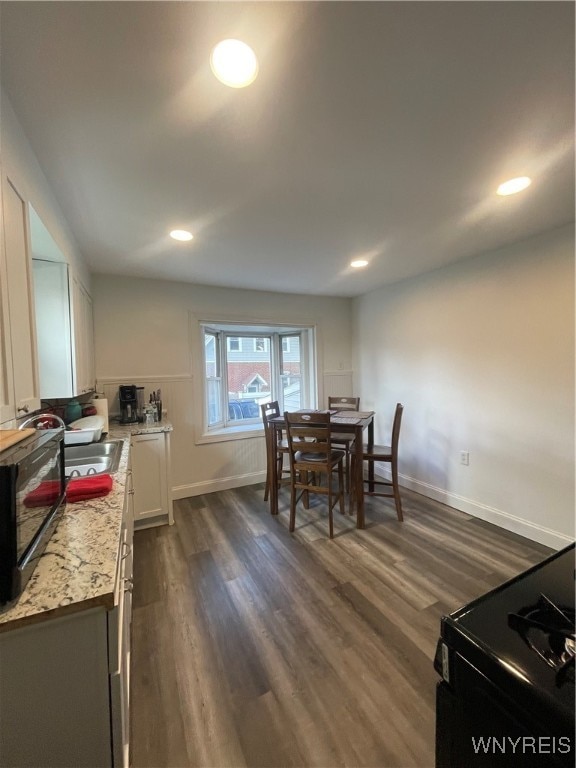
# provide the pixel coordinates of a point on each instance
(127, 430)
(77, 570)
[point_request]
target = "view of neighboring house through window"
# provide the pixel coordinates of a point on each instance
(234, 344)
(244, 370)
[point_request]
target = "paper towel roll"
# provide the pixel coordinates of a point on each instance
(101, 405)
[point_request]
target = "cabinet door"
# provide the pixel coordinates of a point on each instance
(83, 339)
(149, 469)
(7, 410)
(20, 304)
(52, 302)
(89, 340)
(120, 638)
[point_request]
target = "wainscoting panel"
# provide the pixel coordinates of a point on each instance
(337, 383)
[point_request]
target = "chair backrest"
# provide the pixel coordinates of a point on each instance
(269, 411)
(310, 428)
(338, 403)
(396, 429)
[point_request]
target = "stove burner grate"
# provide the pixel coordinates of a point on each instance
(549, 631)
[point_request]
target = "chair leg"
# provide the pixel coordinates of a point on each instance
(267, 486)
(330, 516)
(306, 495)
(396, 491)
(341, 505)
(292, 525)
(352, 492)
(370, 476)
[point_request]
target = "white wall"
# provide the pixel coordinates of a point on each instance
(22, 168)
(147, 334)
(481, 354)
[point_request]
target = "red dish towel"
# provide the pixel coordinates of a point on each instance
(43, 496)
(82, 488)
(79, 489)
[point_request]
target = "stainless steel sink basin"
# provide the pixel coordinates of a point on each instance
(92, 459)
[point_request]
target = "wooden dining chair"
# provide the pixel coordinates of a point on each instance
(269, 411)
(309, 464)
(387, 455)
(344, 440)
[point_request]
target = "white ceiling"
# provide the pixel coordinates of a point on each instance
(378, 129)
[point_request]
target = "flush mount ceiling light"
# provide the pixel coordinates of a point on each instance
(359, 263)
(181, 234)
(514, 185)
(234, 63)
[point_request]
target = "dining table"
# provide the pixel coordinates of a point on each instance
(353, 422)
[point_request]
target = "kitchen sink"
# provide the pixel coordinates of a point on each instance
(92, 459)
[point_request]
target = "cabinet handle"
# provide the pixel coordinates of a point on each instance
(23, 408)
(127, 552)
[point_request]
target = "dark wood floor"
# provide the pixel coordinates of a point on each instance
(254, 647)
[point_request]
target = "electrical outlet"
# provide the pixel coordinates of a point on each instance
(464, 458)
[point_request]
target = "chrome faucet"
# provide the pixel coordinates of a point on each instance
(37, 416)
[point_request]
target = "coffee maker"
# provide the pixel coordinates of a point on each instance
(128, 404)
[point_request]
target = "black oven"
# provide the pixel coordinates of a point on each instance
(32, 491)
(506, 698)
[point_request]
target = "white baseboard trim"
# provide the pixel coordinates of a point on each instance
(529, 530)
(222, 484)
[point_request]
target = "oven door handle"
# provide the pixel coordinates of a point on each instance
(38, 538)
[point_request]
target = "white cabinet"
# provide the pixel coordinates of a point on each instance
(84, 375)
(19, 393)
(151, 473)
(120, 638)
(65, 682)
(63, 311)
(53, 331)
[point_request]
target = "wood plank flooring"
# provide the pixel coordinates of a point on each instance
(254, 647)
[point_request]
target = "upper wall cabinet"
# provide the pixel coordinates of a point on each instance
(52, 302)
(83, 339)
(63, 320)
(19, 392)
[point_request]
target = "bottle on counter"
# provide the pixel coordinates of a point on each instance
(73, 411)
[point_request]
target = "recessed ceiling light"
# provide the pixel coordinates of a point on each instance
(181, 234)
(514, 185)
(234, 63)
(358, 263)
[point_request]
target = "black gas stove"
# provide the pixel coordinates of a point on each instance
(507, 664)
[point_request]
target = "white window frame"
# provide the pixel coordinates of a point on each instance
(227, 429)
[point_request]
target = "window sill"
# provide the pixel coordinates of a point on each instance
(244, 432)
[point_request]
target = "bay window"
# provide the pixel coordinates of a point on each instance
(246, 366)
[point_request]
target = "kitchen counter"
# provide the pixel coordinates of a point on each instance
(123, 431)
(77, 570)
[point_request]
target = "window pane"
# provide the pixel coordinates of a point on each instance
(210, 356)
(214, 388)
(291, 373)
(249, 376)
(233, 344)
(213, 378)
